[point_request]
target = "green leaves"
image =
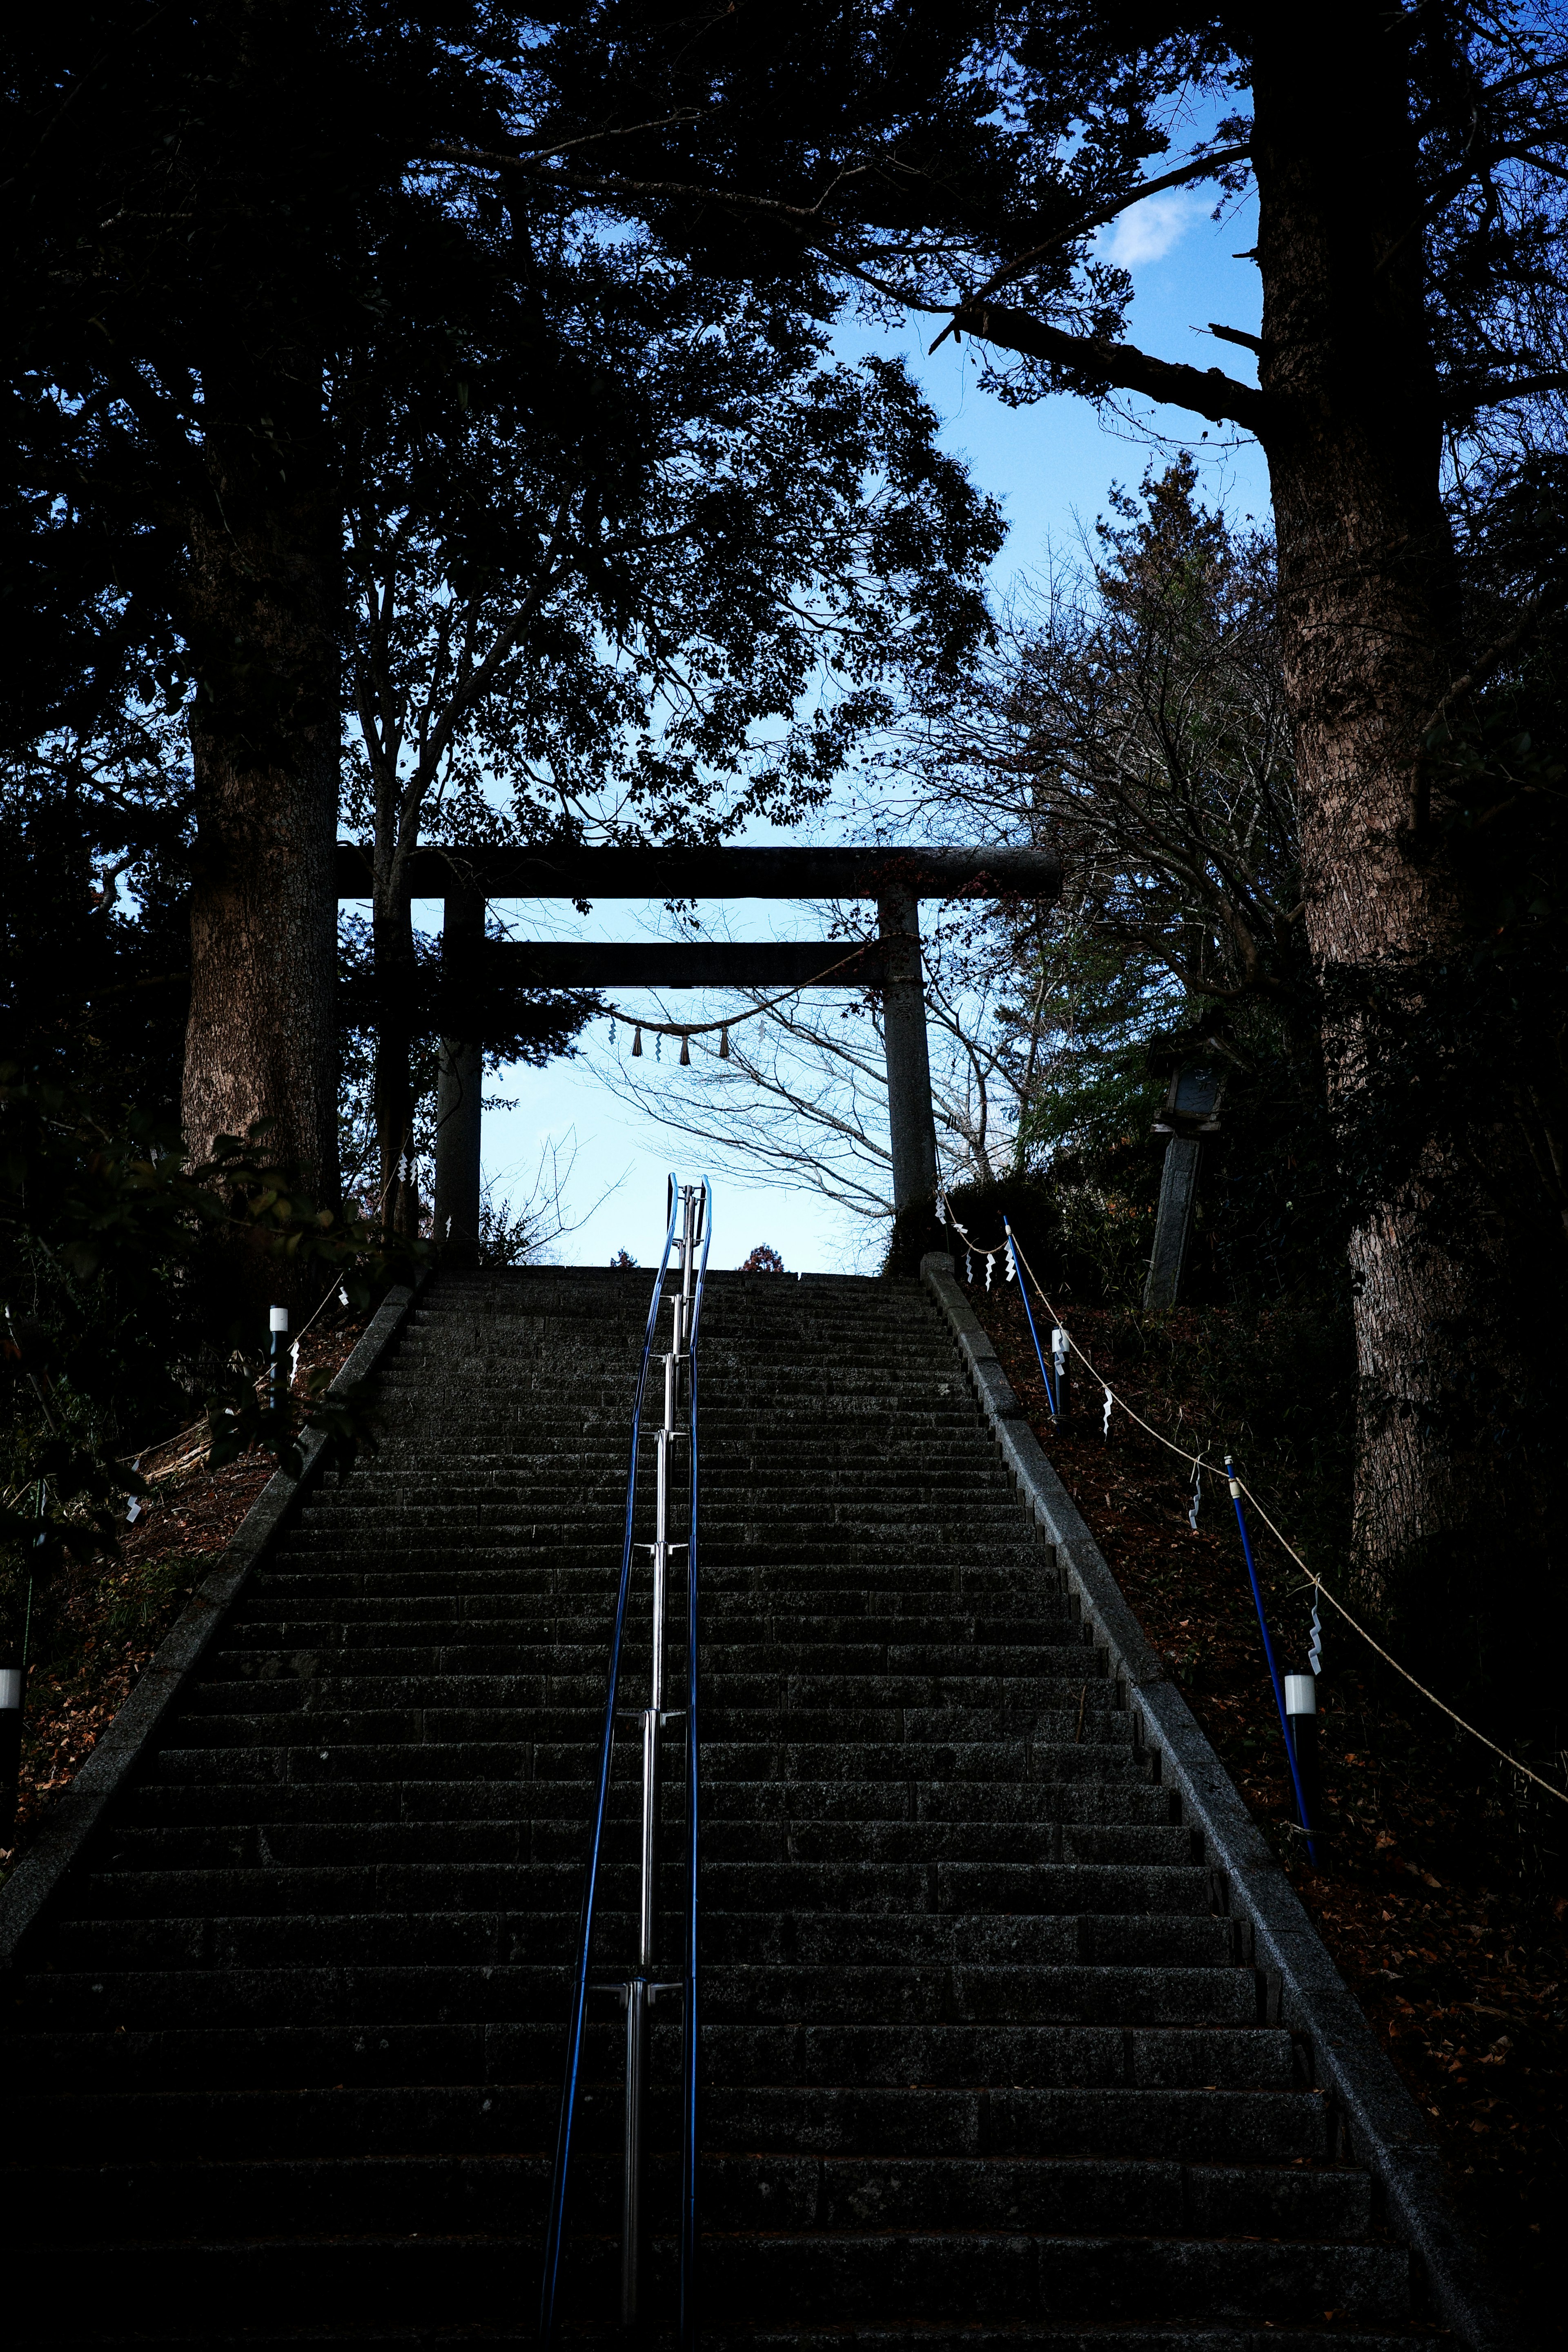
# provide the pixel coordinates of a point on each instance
(117, 1266)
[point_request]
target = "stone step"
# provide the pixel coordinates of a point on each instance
(753, 1993)
(561, 1837)
(825, 2277)
(906, 1553)
(573, 1471)
(1039, 2337)
(734, 1376)
(279, 1715)
(491, 1938)
(747, 1525)
(731, 1616)
(1018, 1889)
(578, 1646)
(1083, 1807)
(1009, 1760)
(245, 1684)
(498, 2189)
(262, 2025)
(764, 1585)
(1174, 2127)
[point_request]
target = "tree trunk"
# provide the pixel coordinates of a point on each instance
(265, 619)
(1370, 640)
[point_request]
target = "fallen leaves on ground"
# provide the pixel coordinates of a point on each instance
(1440, 1891)
(113, 1613)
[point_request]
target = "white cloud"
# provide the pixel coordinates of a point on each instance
(1149, 230)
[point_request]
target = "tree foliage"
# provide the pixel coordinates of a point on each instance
(121, 1316)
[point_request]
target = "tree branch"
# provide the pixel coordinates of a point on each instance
(1546, 599)
(1196, 168)
(593, 138)
(1209, 391)
(1492, 395)
(614, 185)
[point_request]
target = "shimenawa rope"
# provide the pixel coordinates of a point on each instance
(687, 1030)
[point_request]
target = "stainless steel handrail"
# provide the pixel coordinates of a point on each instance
(555, 2224)
(690, 2022)
(641, 1990)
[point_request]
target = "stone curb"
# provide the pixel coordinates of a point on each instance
(75, 1812)
(1385, 2129)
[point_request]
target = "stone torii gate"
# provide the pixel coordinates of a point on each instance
(466, 878)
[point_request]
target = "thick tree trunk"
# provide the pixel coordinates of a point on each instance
(261, 1042)
(1369, 616)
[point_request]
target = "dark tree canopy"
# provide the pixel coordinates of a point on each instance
(309, 416)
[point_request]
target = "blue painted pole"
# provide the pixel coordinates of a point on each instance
(1268, 1652)
(1023, 1295)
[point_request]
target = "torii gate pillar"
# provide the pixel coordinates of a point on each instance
(910, 1121)
(458, 1093)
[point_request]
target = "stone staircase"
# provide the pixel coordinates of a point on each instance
(983, 2062)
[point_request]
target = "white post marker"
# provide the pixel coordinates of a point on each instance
(279, 1379)
(10, 1744)
(1059, 1355)
(1302, 1715)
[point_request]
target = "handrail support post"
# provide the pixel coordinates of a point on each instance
(631, 2209)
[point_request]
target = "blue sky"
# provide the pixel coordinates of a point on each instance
(1052, 466)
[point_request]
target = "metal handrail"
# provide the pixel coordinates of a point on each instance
(690, 2019)
(555, 2224)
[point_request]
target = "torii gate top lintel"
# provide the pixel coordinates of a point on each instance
(854, 871)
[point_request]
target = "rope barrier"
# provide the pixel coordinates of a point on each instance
(1322, 1590)
(1202, 1462)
